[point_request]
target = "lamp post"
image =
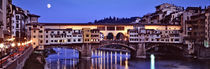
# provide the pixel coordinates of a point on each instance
(1, 46)
(13, 45)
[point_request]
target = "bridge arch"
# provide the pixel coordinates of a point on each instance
(169, 49)
(131, 49)
(159, 45)
(110, 36)
(120, 36)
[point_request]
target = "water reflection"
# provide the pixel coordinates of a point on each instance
(68, 59)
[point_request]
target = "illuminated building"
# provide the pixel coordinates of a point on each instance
(156, 33)
(73, 33)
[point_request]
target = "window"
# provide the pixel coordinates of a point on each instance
(41, 36)
(17, 25)
(79, 35)
(52, 31)
(120, 28)
(74, 35)
(176, 39)
(69, 40)
(51, 40)
(60, 41)
(79, 39)
(46, 36)
(87, 35)
(46, 41)
(101, 28)
(74, 40)
(41, 41)
(17, 17)
(172, 39)
(40, 26)
(34, 31)
(28, 28)
(46, 31)
(34, 43)
(110, 28)
(40, 31)
(34, 36)
(56, 40)
(158, 39)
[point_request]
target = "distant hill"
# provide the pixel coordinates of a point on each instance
(117, 20)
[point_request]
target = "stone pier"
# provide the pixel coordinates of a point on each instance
(140, 51)
(85, 52)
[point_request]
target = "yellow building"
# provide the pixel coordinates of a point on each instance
(91, 35)
(86, 35)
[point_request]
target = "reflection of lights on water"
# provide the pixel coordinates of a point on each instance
(101, 60)
(115, 60)
(107, 60)
(111, 60)
(65, 59)
(126, 61)
(152, 57)
(120, 58)
(104, 60)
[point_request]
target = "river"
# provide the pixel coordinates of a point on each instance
(68, 59)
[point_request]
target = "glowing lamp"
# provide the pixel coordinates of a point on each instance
(13, 44)
(18, 44)
(1, 45)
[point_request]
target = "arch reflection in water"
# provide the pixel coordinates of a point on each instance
(69, 59)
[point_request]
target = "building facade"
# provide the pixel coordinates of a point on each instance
(156, 33)
(207, 27)
(3, 12)
(67, 33)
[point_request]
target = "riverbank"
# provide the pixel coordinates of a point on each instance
(35, 61)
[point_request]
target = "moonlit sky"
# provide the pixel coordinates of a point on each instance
(83, 11)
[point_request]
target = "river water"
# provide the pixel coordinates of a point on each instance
(68, 59)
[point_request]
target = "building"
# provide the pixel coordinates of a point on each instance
(3, 17)
(68, 33)
(164, 14)
(156, 33)
(91, 35)
(95, 36)
(86, 35)
(196, 31)
(19, 21)
(207, 27)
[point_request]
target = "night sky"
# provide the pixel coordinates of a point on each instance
(83, 11)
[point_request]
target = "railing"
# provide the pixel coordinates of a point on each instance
(104, 42)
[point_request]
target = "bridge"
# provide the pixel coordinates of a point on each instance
(137, 50)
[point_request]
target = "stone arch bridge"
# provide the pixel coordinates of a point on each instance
(137, 50)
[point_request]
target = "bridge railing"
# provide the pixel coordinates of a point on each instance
(114, 42)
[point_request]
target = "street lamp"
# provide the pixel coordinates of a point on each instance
(1, 45)
(13, 44)
(18, 44)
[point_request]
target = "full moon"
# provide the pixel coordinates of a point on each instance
(48, 5)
